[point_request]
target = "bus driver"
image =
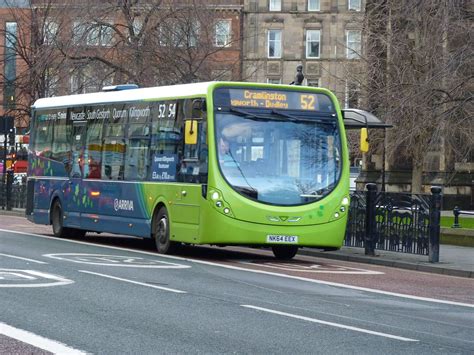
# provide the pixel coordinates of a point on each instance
(226, 159)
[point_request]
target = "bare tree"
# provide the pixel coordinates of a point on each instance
(152, 42)
(419, 56)
(73, 46)
(35, 60)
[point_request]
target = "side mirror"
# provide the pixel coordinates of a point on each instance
(364, 140)
(191, 131)
(198, 107)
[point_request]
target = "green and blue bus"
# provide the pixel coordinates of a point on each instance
(218, 163)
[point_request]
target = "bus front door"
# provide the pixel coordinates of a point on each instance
(189, 194)
(185, 212)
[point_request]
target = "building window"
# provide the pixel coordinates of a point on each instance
(99, 35)
(312, 82)
(87, 79)
(313, 5)
(222, 34)
(78, 32)
(9, 87)
(352, 95)
(50, 30)
(92, 34)
(274, 44)
(173, 33)
(313, 39)
(135, 31)
(192, 35)
(354, 5)
(353, 44)
(275, 5)
(273, 80)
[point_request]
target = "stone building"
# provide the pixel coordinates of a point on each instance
(323, 35)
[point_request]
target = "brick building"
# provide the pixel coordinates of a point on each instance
(15, 30)
(80, 46)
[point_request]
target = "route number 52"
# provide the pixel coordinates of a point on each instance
(307, 102)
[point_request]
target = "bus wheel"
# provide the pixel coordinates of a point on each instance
(57, 220)
(162, 233)
(284, 252)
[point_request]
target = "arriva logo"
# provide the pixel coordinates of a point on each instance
(123, 205)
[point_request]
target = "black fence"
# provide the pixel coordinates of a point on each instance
(398, 222)
(12, 195)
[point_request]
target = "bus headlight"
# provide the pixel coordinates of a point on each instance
(218, 202)
(345, 201)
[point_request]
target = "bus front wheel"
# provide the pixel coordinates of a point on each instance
(284, 252)
(161, 233)
(57, 221)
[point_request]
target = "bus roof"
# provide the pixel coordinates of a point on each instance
(159, 92)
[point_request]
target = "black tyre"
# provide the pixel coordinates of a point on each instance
(284, 252)
(59, 230)
(57, 220)
(161, 233)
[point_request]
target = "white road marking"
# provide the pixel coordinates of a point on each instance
(24, 336)
(337, 325)
(315, 268)
(31, 275)
(115, 260)
(335, 284)
(21, 258)
(133, 282)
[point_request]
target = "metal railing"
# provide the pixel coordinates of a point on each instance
(11, 195)
(457, 212)
(398, 222)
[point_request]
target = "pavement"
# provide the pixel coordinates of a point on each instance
(453, 260)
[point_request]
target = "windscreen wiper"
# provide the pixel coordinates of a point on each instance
(296, 119)
(253, 115)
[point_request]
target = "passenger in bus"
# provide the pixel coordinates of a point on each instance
(94, 169)
(76, 165)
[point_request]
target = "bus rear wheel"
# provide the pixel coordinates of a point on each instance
(57, 222)
(284, 252)
(161, 233)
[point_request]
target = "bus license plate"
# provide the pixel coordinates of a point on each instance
(282, 239)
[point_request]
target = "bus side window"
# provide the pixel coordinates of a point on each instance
(44, 136)
(61, 146)
(113, 146)
(136, 159)
(113, 159)
(94, 149)
(137, 156)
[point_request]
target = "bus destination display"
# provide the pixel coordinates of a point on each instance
(272, 99)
